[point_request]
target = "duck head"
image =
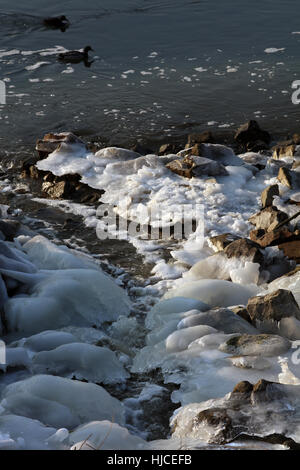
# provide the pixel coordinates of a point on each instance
(64, 19)
(87, 49)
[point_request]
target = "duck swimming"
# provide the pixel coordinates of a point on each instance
(57, 22)
(74, 57)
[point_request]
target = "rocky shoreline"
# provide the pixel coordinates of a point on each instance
(234, 313)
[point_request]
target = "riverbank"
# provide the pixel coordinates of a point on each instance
(204, 328)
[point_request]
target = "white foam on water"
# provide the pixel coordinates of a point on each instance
(272, 50)
(37, 65)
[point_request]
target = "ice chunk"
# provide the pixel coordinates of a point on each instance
(180, 339)
(105, 435)
(118, 154)
(77, 296)
(218, 266)
(171, 306)
(247, 275)
(214, 292)
(290, 328)
(15, 357)
(26, 433)
(66, 159)
(60, 402)
(46, 340)
(47, 255)
(220, 318)
(82, 361)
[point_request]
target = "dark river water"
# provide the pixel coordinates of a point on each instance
(160, 67)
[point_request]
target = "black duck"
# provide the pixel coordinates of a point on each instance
(74, 57)
(57, 22)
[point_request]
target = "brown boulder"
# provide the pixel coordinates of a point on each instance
(291, 249)
(219, 242)
(57, 190)
(289, 178)
(243, 387)
(280, 151)
(202, 138)
(296, 139)
(256, 235)
(196, 166)
(255, 159)
(268, 195)
(265, 391)
(273, 307)
(69, 187)
(245, 248)
(242, 312)
(296, 164)
(251, 132)
(268, 218)
(180, 168)
(275, 237)
(257, 146)
(167, 149)
(51, 142)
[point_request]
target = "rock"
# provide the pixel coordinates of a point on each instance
(251, 132)
(220, 153)
(256, 235)
(268, 218)
(57, 190)
(291, 249)
(141, 150)
(296, 139)
(296, 164)
(167, 149)
(248, 413)
(245, 248)
(275, 237)
(224, 320)
(202, 138)
(196, 166)
(219, 242)
(196, 150)
(273, 307)
(29, 170)
(265, 391)
(51, 142)
(9, 228)
(255, 159)
(268, 195)
(217, 418)
(256, 345)
(289, 178)
(280, 151)
(284, 177)
(242, 312)
(69, 187)
(257, 146)
(243, 387)
(180, 168)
